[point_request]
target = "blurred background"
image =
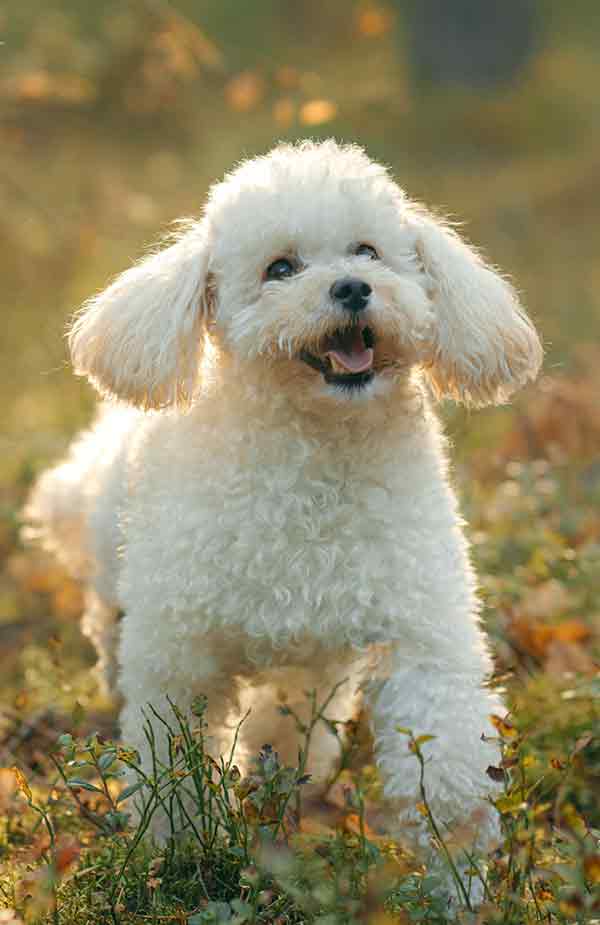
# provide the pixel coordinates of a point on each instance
(115, 117)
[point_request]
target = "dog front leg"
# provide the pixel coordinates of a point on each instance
(447, 700)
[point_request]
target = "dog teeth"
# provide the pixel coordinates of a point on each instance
(337, 367)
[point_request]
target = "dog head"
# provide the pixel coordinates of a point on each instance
(311, 262)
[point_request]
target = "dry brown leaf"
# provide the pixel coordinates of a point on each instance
(351, 824)
(548, 599)
(503, 726)
(67, 600)
(10, 917)
(592, 868)
(380, 917)
(8, 787)
(564, 657)
(541, 639)
(66, 853)
(311, 826)
(43, 87)
(284, 111)
(287, 77)
(35, 572)
(561, 420)
(245, 91)
(582, 742)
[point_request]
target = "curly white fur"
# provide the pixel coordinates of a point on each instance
(266, 529)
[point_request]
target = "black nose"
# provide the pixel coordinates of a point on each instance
(352, 293)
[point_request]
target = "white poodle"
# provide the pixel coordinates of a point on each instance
(274, 512)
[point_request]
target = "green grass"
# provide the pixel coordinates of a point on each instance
(243, 849)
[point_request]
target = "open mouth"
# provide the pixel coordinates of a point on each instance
(346, 356)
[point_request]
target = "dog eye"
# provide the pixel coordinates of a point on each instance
(280, 269)
(366, 250)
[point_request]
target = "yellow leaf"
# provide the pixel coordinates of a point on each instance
(22, 784)
(422, 809)
(503, 727)
(374, 21)
(571, 631)
(316, 112)
(573, 820)
(569, 907)
(352, 824)
(510, 804)
(420, 740)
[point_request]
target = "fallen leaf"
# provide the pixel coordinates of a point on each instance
(548, 599)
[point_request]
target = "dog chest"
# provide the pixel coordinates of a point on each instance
(289, 539)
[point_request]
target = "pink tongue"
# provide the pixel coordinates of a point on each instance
(357, 358)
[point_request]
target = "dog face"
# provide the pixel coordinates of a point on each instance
(311, 262)
(329, 284)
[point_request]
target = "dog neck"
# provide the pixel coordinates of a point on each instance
(282, 396)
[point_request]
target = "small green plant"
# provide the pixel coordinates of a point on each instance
(240, 849)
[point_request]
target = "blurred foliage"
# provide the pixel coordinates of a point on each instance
(114, 119)
(116, 116)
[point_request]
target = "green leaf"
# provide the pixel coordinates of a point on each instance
(77, 782)
(78, 714)
(216, 912)
(129, 791)
(420, 740)
(105, 760)
(244, 911)
(199, 705)
(117, 821)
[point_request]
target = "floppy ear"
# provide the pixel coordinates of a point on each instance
(484, 346)
(141, 339)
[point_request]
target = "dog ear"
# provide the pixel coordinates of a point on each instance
(484, 346)
(141, 340)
